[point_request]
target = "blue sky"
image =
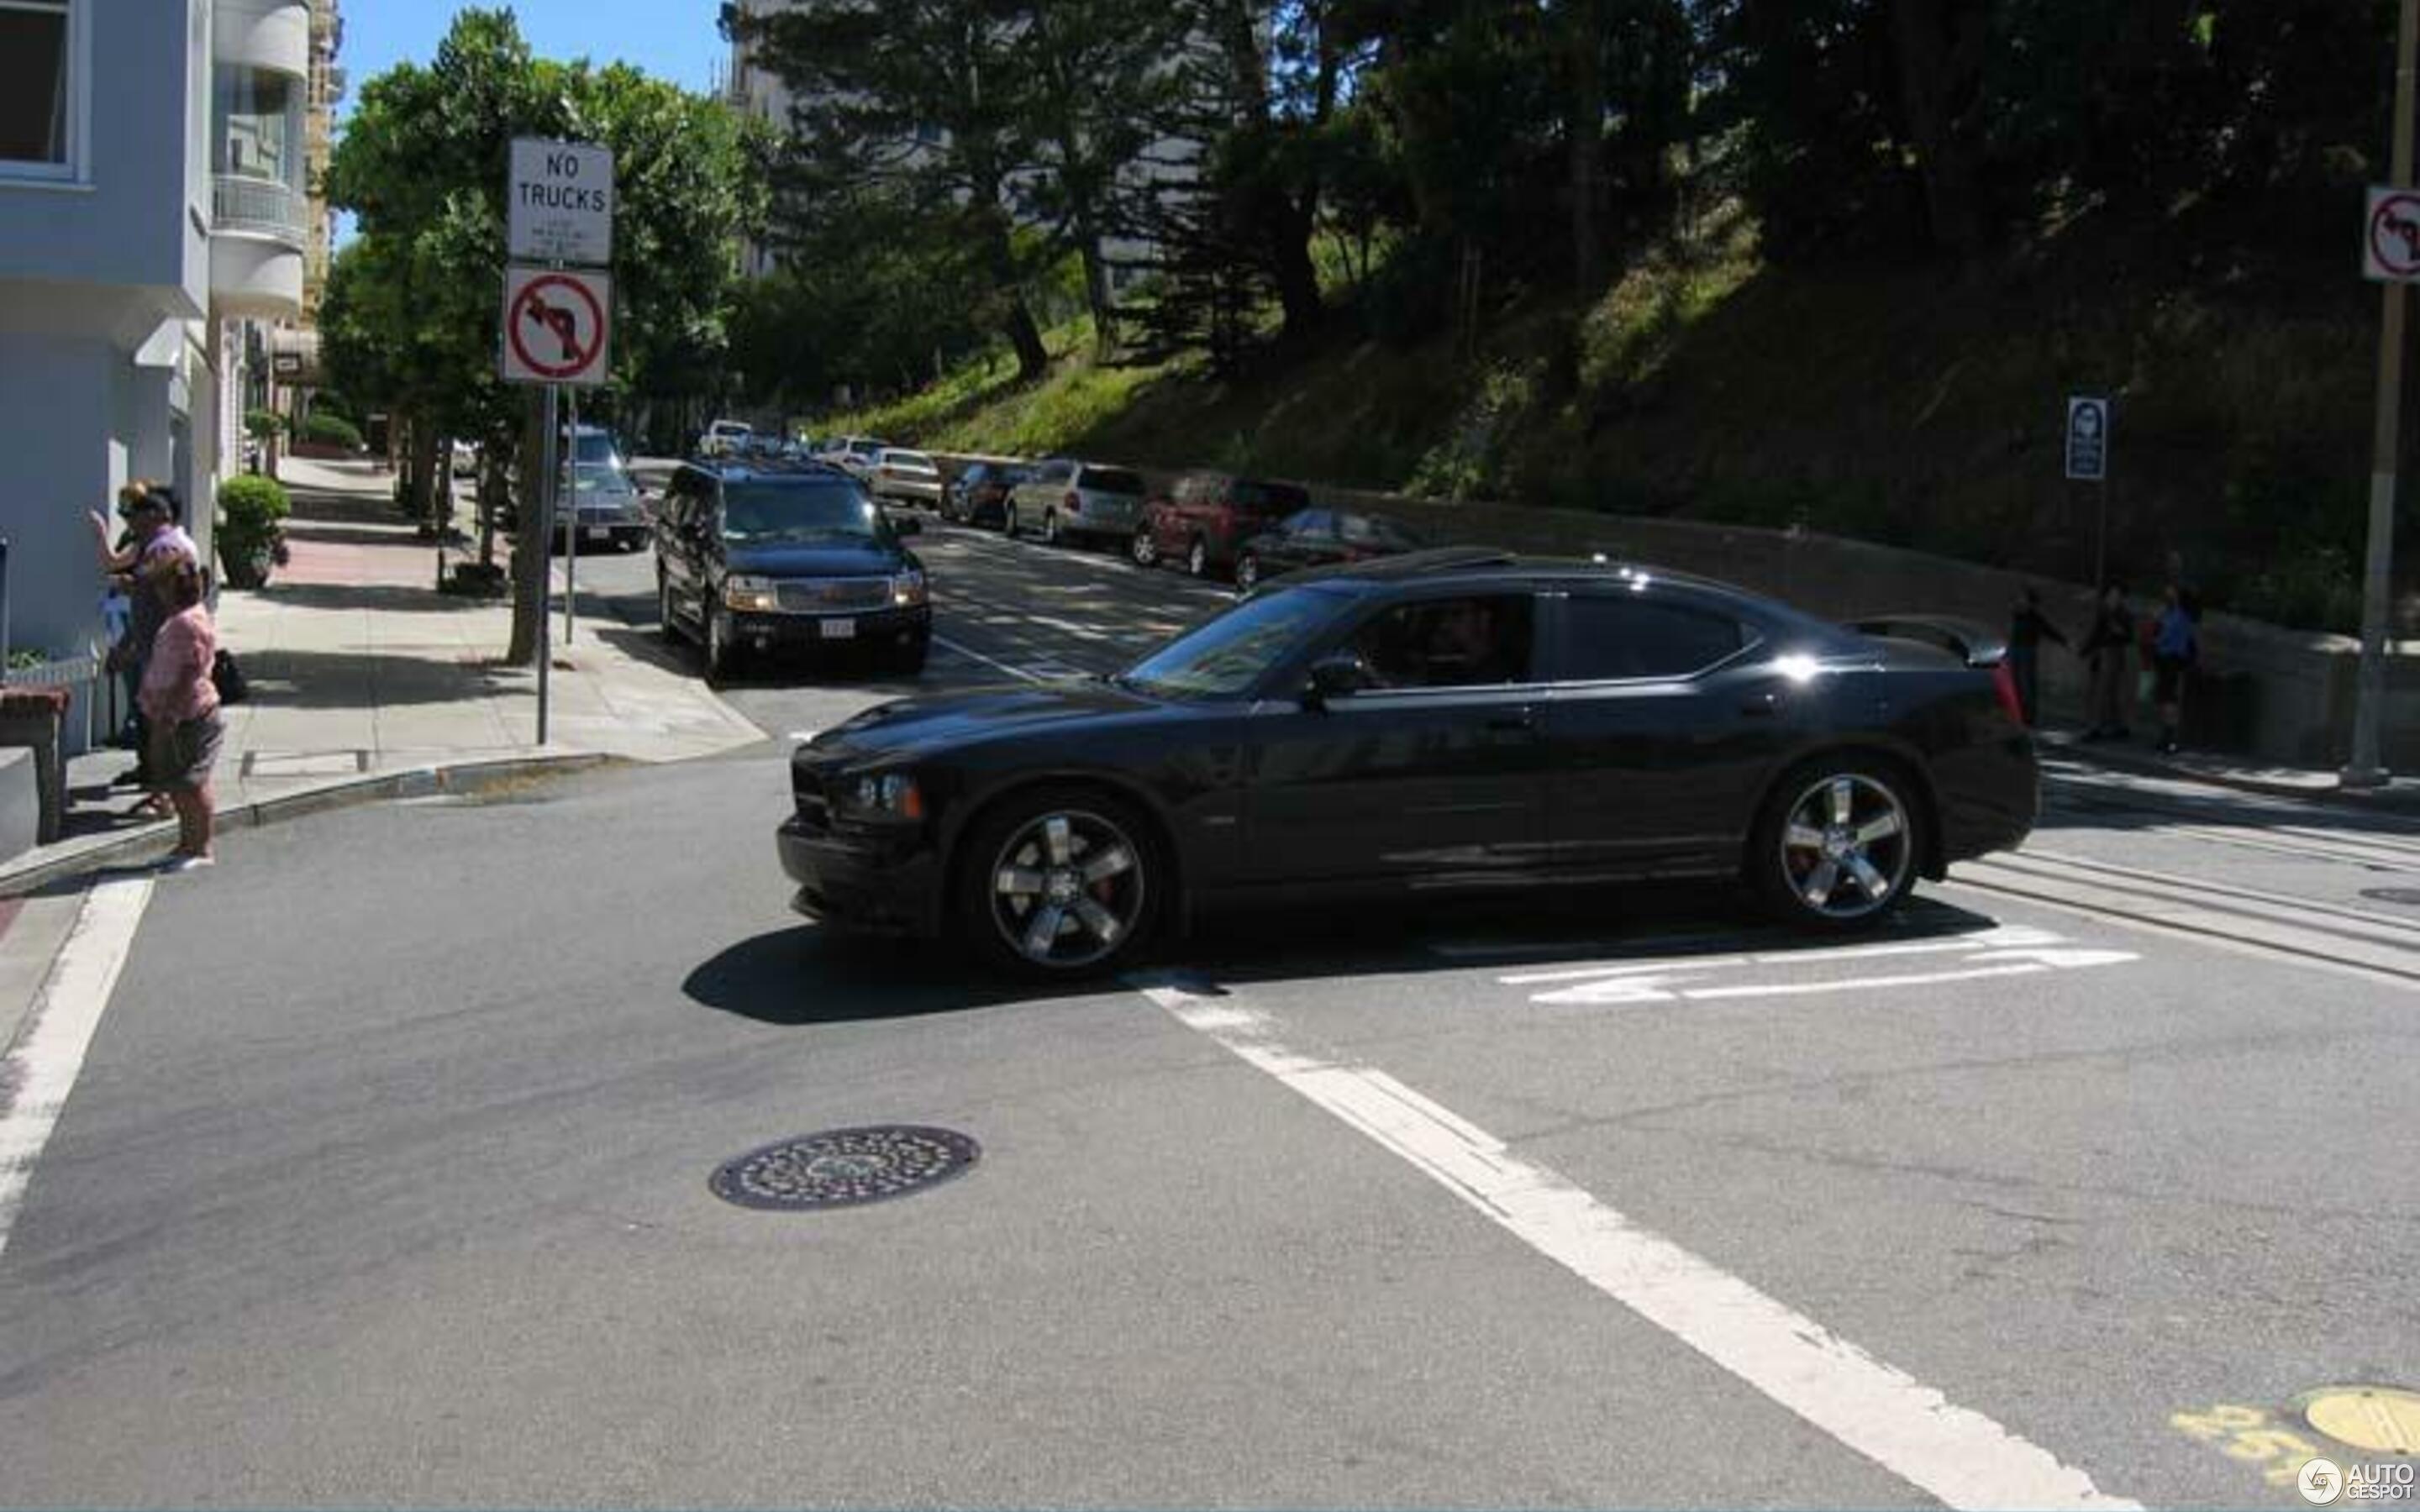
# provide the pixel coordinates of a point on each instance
(673, 39)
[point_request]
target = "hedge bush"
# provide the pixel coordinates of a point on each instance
(263, 424)
(331, 431)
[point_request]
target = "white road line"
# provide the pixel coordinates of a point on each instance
(2003, 937)
(50, 1054)
(1908, 1428)
(946, 643)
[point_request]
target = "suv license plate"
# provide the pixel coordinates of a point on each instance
(840, 629)
(599, 533)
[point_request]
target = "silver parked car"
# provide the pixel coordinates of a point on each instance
(905, 477)
(1069, 500)
(603, 509)
(853, 454)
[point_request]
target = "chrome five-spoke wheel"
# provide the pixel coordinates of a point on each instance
(1068, 889)
(1847, 847)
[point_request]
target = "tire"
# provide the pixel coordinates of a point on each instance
(1144, 549)
(1015, 840)
(664, 624)
(1836, 844)
(722, 656)
(1248, 574)
(1196, 558)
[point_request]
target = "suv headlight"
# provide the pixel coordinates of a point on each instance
(750, 594)
(908, 589)
(883, 795)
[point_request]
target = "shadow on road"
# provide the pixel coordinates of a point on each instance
(811, 975)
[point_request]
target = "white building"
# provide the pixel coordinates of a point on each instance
(153, 194)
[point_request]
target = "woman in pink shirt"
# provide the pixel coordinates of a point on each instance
(182, 704)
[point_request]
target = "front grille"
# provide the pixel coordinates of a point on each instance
(825, 595)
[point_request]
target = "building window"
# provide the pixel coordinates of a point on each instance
(34, 75)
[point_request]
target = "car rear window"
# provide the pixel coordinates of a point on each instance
(1608, 639)
(1268, 498)
(909, 459)
(1112, 480)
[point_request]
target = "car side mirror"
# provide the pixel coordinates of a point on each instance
(1340, 674)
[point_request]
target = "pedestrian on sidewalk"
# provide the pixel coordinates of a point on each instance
(182, 704)
(151, 541)
(2175, 646)
(2027, 626)
(2105, 648)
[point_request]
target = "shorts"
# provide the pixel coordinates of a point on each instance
(183, 753)
(2167, 678)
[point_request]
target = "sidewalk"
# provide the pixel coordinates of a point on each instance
(2401, 796)
(358, 668)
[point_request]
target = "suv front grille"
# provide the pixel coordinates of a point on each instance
(827, 595)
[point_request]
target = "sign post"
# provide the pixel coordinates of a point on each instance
(2391, 253)
(557, 328)
(2088, 461)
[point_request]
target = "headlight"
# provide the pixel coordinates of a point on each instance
(908, 588)
(890, 795)
(753, 593)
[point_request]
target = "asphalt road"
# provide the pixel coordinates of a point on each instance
(384, 1180)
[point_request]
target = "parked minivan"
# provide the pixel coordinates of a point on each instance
(1067, 500)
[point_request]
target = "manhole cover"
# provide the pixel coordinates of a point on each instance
(2409, 896)
(841, 1168)
(2383, 1419)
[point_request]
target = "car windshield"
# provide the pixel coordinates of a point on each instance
(1228, 656)
(593, 478)
(912, 461)
(1373, 530)
(818, 511)
(596, 447)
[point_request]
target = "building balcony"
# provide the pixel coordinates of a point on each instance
(258, 207)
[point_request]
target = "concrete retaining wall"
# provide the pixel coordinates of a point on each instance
(2283, 695)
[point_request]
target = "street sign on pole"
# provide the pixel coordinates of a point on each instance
(558, 326)
(2088, 438)
(2390, 244)
(559, 203)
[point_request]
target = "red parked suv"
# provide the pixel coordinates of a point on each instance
(1207, 516)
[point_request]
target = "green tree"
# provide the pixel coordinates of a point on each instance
(413, 302)
(921, 101)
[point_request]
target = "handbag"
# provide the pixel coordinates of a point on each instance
(227, 677)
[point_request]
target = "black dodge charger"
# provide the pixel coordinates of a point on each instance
(1456, 720)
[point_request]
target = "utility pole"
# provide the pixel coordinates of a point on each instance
(2368, 768)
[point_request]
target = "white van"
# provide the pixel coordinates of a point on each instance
(726, 437)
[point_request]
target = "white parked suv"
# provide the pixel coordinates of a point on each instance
(726, 437)
(1069, 500)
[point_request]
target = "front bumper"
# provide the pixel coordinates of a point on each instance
(799, 632)
(875, 883)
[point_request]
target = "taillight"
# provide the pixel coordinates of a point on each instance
(1075, 505)
(2004, 682)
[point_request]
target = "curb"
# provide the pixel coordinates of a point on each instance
(153, 841)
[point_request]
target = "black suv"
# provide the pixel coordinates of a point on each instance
(766, 556)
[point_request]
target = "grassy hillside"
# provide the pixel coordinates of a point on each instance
(1893, 403)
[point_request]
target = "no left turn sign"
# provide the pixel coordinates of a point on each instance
(2390, 250)
(557, 328)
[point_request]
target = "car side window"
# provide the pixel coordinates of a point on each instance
(1478, 641)
(1310, 524)
(1611, 637)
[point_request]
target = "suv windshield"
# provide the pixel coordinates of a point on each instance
(1225, 657)
(596, 447)
(816, 511)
